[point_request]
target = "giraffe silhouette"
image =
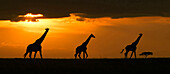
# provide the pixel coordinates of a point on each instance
(36, 46)
(132, 47)
(83, 48)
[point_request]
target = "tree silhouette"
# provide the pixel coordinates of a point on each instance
(146, 54)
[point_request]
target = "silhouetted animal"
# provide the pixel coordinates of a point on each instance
(132, 47)
(146, 54)
(83, 48)
(36, 46)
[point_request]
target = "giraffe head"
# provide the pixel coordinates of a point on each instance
(140, 34)
(47, 29)
(92, 35)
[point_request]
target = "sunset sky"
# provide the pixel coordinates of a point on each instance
(115, 23)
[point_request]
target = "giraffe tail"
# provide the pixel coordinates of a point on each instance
(122, 51)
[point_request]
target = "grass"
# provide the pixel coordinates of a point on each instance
(104, 66)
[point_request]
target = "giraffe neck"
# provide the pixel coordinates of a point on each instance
(137, 41)
(40, 40)
(87, 41)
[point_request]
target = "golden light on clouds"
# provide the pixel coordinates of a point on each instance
(28, 15)
(62, 25)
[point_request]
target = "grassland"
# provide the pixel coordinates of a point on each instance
(89, 66)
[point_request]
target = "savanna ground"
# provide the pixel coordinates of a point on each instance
(89, 66)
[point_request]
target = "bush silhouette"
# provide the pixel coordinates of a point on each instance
(146, 54)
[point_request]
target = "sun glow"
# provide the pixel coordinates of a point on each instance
(28, 15)
(57, 25)
(31, 15)
(67, 33)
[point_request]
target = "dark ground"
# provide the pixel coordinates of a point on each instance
(89, 66)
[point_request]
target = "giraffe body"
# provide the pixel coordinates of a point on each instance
(83, 48)
(130, 48)
(36, 46)
(33, 47)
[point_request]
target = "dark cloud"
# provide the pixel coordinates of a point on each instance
(92, 8)
(80, 19)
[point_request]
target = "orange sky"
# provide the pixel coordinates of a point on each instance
(65, 34)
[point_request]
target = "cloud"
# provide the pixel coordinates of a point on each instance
(92, 8)
(80, 19)
(3, 44)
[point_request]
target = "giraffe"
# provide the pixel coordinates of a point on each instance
(83, 48)
(132, 47)
(36, 46)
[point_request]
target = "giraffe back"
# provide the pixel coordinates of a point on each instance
(34, 47)
(81, 48)
(130, 47)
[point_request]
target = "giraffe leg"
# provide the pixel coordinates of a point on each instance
(30, 54)
(41, 54)
(135, 54)
(79, 55)
(83, 55)
(75, 56)
(25, 54)
(86, 54)
(126, 53)
(77, 52)
(35, 54)
(131, 54)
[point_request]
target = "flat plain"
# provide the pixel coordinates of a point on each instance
(88, 66)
